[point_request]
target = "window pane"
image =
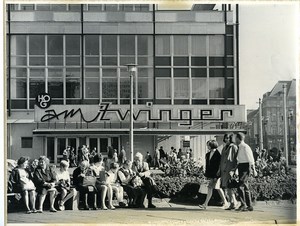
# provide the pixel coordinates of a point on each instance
(26, 142)
(180, 45)
(199, 88)
(145, 72)
(199, 72)
(199, 45)
(145, 61)
(145, 87)
(55, 45)
(73, 87)
(181, 61)
(216, 72)
(163, 61)
(18, 88)
(109, 88)
(125, 88)
(18, 45)
(127, 60)
(162, 45)
(181, 72)
(229, 45)
(198, 61)
(111, 72)
(162, 72)
(37, 72)
(73, 72)
(91, 45)
(72, 44)
(58, 7)
(216, 45)
(35, 61)
(92, 72)
(216, 87)
(36, 86)
(74, 7)
(109, 61)
(28, 7)
(18, 72)
(163, 88)
(54, 72)
(181, 88)
(95, 7)
(55, 61)
(43, 7)
(55, 87)
(92, 88)
(111, 7)
(216, 61)
(73, 61)
(109, 44)
(145, 45)
(18, 61)
(230, 88)
(127, 44)
(91, 60)
(36, 44)
(128, 7)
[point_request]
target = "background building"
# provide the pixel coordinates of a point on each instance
(272, 121)
(188, 68)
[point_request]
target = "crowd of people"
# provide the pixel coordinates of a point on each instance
(92, 177)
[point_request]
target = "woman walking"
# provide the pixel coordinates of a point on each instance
(227, 165)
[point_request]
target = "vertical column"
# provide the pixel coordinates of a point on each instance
(260, 126)
(285, 131)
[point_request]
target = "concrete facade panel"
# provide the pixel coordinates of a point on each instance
(190, 28)
(117, 17)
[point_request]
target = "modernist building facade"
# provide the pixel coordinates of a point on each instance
(186, 86)
(273, 121)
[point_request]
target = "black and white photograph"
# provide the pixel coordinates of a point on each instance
(158, 113)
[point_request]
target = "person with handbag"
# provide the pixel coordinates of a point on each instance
(141, 169)
(44, 179)
(131, 185)
(21, 180)
(63, 184)
(101, 185)
(246, 167)
(84, 180)
(228, 164)
(213, 158)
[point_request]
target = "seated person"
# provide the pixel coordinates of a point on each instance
(136, 194)
(116, 187)
(63, 184)
(21, 180)
(141, 169)
(44, 178)
(84, 180)
(101, 185)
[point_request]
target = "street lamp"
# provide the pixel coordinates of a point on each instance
(131, 68)
(265, 123)
(290, 119)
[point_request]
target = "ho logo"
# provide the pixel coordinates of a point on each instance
(43, 100)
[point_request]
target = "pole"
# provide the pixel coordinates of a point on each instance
(131, 115)
(260, 129)
(285, 125)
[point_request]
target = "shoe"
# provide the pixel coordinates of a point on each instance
(95, 208)
(231, 207)
(122, 204)
(241, 208)
(104, 208)
(53, 210)
(61, 207)
(39, 211)
(86, 207)
(34, 211)
(151, 206)
(28, 212)
(111, 207)
(225, 206)
(250, 208)
(202, 207)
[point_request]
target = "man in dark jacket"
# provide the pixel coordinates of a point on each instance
(213, 159)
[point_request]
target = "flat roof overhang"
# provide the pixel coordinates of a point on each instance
(135, 131)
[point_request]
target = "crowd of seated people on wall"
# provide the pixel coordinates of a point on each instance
(93, 184)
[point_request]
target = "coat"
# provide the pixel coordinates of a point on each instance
(212, 165)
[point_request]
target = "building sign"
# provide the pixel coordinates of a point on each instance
(183, 114)
(43, 100)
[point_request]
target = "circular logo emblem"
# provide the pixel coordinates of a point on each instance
(43, 100)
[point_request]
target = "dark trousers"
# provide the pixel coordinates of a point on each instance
(243, 188)
(148, 188)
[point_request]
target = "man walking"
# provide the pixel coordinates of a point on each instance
(246, 167)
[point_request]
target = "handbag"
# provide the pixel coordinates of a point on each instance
(233, 182)
(89, 179)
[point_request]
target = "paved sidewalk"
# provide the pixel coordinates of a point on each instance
(165, 214)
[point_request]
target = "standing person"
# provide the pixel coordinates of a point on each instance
(149, 159)
(227, 165)
(122, 156)
(245, 167)
(115, 156)
(73, 158)
(66, 153)
(63, 185)
(213, 158)
(21, 179)
(156, 158)
(142, 170)
(44, 178)
(162, 153)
